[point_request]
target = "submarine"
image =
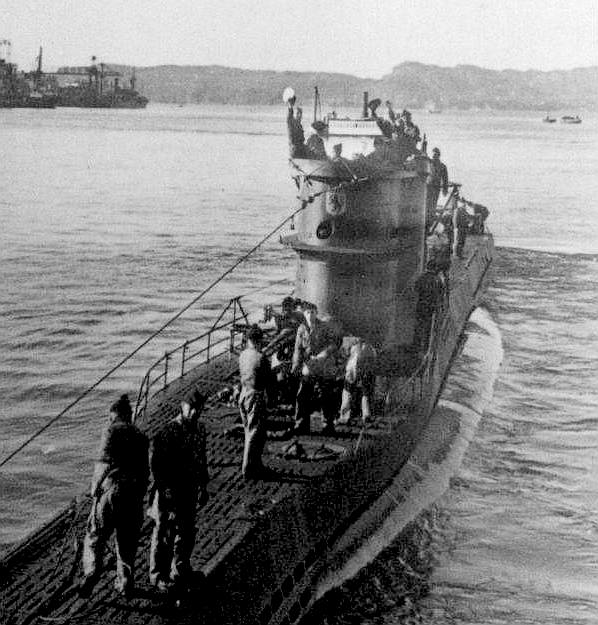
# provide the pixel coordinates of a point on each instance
(363, 231)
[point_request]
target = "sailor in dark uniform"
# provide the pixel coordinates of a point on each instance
(295, 130)
(438, 182)
(429, 290)
(118, 487)
(315, 143)
(180, 474)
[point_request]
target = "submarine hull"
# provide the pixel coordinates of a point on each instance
(261, 547)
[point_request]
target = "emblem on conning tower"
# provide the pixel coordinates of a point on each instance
(336, 202)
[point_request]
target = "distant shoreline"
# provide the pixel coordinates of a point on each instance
(410, 85)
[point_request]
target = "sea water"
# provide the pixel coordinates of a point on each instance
(112, 221)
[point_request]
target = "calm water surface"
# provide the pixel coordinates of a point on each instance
(113, 220)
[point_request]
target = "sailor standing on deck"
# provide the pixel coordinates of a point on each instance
(287, 324)
(180, 473)
(359, 383)
(314, 359)
(438, 181)
(254, 369)
(118, 487)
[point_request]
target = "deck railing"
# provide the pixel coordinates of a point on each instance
(225, 335)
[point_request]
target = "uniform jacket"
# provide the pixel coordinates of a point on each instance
(439, 175)
(123, 456)
(178, 459)
(320, 340)
(254, 369)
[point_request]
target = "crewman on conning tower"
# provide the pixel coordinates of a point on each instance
(295, 129)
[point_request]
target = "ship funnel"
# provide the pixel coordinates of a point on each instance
(364, 113)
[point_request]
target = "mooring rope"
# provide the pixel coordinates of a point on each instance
(85, 393)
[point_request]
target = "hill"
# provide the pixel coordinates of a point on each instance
(408, 85)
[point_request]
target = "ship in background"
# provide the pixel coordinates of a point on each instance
(94, 86)
(19, 89)
(97, 86)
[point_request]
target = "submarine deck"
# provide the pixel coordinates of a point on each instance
(38, 579)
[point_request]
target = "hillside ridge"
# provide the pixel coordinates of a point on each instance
(409, 84)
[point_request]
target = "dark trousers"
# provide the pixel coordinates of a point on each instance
(432, 201)
(461, 237)
(287, 384)
(313, 392)
(423, 328)
(173, 537)
(119, 510)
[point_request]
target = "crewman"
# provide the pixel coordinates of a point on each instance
(359, 383)
(429, 290)
(373, 106)
(314, 360)
(315, 147)
(438, 182)
(180, 477)
(118, 486)
(287, 324)
(295, 130)
(254, 370)
(391, 114)
(462, 221)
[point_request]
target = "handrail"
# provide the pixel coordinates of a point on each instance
(130, 355)
(452, 197)
(186, 355)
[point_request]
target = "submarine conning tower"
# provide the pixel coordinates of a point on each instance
(360, 239)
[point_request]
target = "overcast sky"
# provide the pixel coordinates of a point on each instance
(365, 38)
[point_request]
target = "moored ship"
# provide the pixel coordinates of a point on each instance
(24, 89)
(361, 239)
(97, 86)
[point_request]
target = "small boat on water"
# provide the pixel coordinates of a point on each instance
(364, 232)
(571, 119)
(548, 119)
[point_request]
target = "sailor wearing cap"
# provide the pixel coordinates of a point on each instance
(314, 360)
(180, 474)
(254, 369)
(118, 486)
(315, 142)
(287, 324)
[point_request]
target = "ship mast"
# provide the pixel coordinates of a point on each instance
(5, 47)
(38, 71)
(316, 103)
